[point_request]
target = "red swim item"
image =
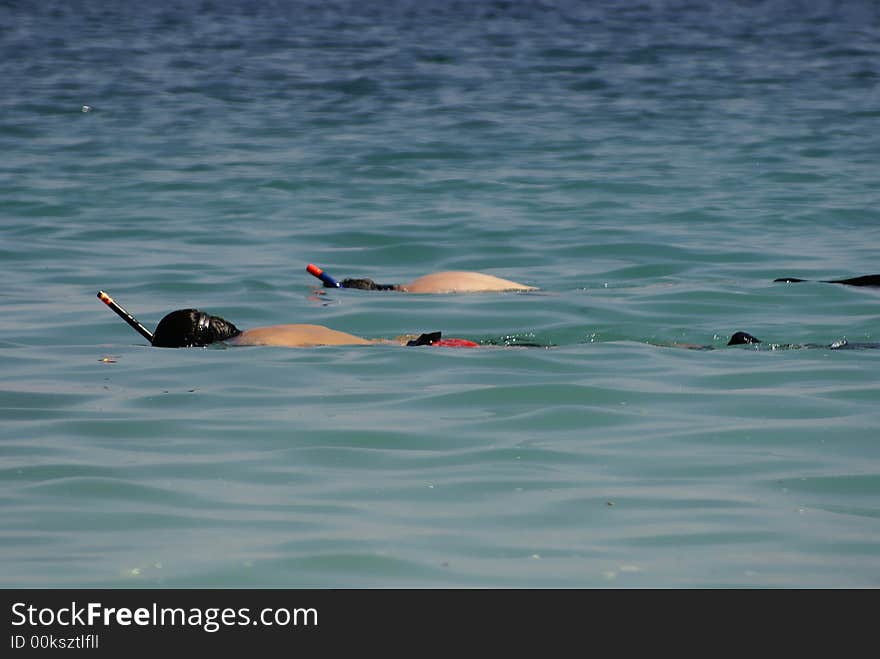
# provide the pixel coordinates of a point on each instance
(455, 343)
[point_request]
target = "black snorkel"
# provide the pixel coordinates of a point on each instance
(127, 317)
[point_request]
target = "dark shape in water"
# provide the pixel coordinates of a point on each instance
(864, 280)
(742, 338)
(426, 339)
(190, 328)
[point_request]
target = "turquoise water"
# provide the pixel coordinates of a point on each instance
(652, 167)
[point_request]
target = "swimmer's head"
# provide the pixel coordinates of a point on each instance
(186, 328)
(367, 285)
(742, 338)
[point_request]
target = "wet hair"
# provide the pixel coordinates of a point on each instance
(367, 285)
(186, 328)
(742, 338)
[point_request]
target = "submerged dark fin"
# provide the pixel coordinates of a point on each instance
(425, 339)
(742, 338)
(864, 280)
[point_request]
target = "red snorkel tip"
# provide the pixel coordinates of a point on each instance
(312, 269)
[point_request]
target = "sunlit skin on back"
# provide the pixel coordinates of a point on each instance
(456, 281)
(296, 336)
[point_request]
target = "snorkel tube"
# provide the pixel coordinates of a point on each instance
(312, 269)
(127, 317)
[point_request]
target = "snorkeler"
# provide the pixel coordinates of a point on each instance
(188, 328)
(744, 338)
(864, 280)
(454, 281)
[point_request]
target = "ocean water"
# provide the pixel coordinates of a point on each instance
(650, 166)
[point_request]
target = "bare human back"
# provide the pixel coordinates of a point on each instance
(450, 281)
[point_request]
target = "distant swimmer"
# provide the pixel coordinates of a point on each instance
(453, 281)
(864, 280)
(188, 328)
(744, 338)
